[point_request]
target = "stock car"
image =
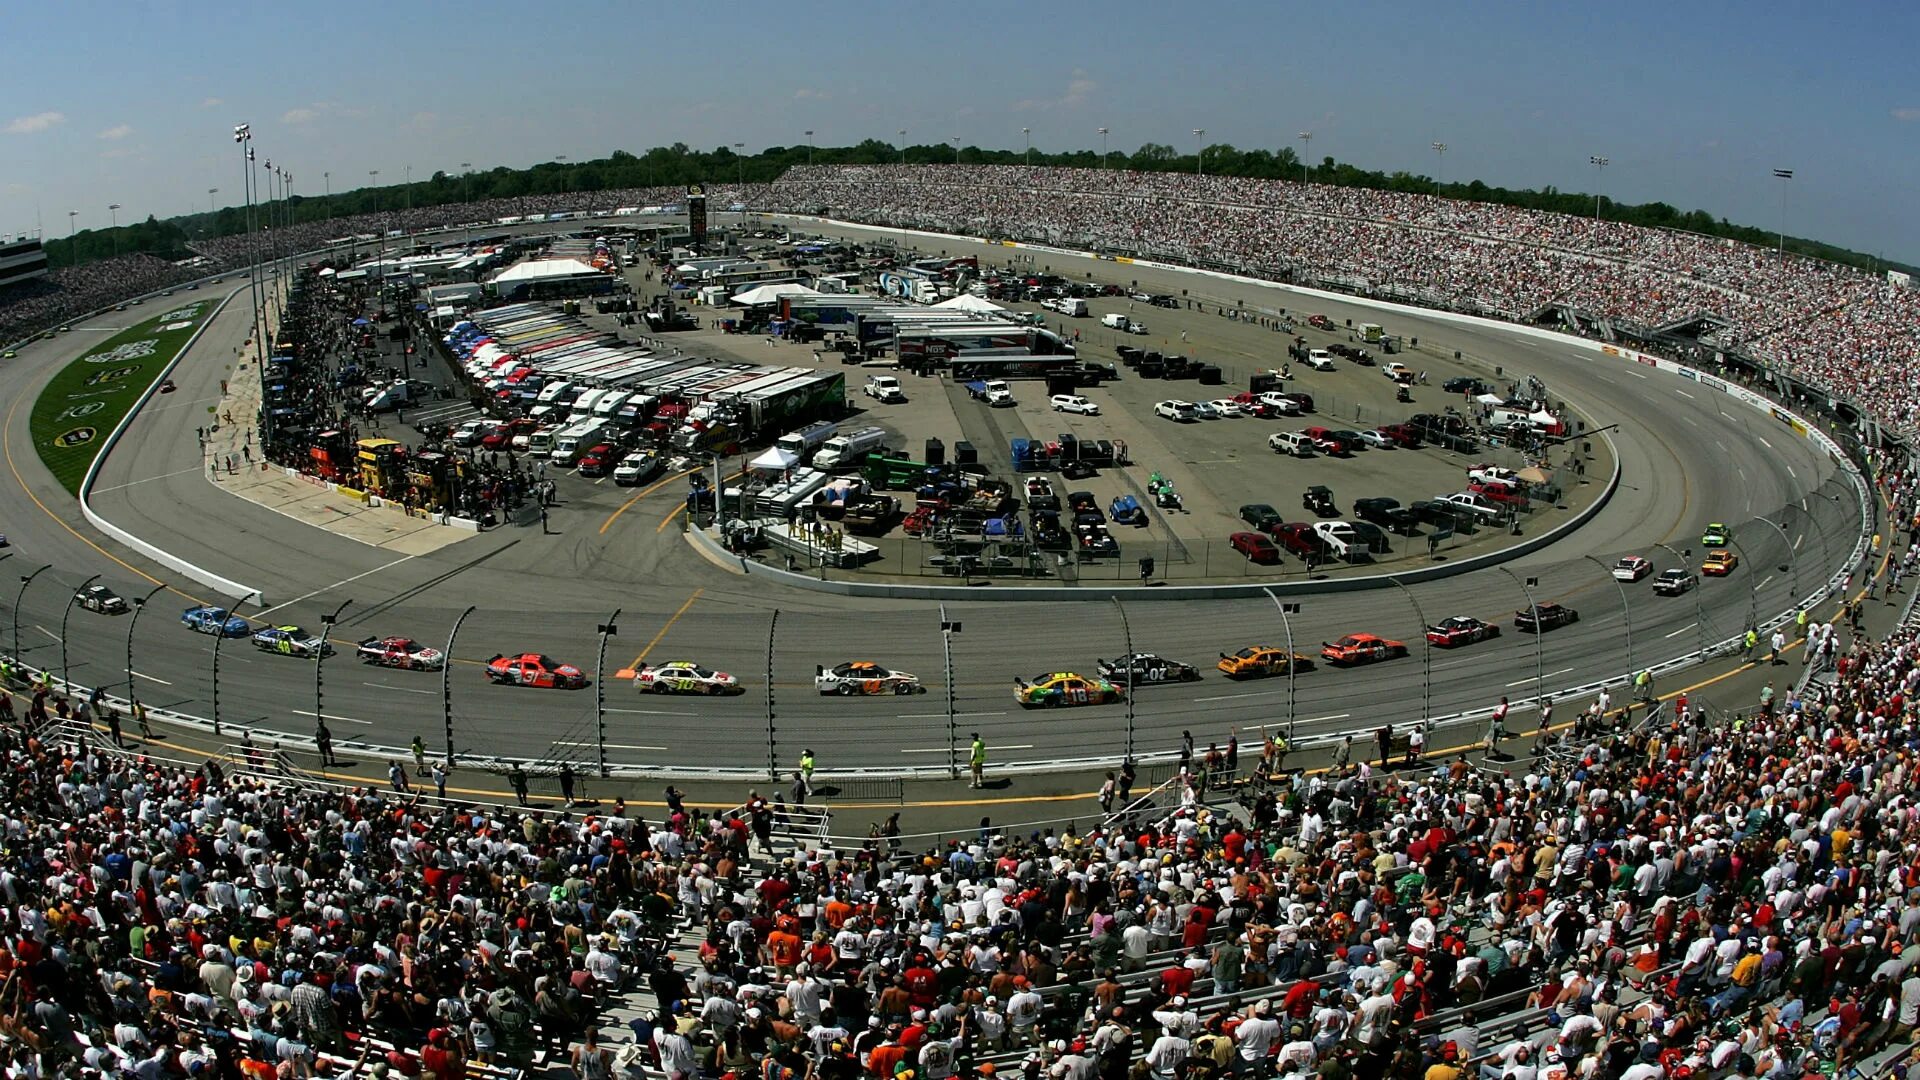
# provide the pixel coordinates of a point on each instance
(1145, 667)
(864, 677)
(1064, 688)
(1257, 661)
(1631, 568)
(215, 620)
(400, 652)
(683, 677)
(1460, 630)
(1361, 649)
(101, 599)
(1674, 582)
(1719, 563)
(290, 641)
(1544, 617)
(534, 669)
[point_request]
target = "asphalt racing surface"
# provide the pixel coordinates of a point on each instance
(1688, 457)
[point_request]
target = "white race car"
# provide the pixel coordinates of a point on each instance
(683, 677)
(864, 677)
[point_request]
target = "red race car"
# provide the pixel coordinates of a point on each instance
(534, 669)
(1460, 630)
(1361, 649)
(400, 652)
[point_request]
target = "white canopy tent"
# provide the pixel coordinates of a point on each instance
(969, 302)
(771, 294)
(774, 459)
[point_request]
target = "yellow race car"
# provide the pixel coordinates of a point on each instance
(1257, 661)
(1064, 688)
(1719, 563)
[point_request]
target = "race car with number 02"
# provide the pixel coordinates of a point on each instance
(536, 670)
(1361, 649)
(683, 677)
(290, 641)
(1146, 667)
(400, 652)
(215, 620)
(1460, 630)
(1256, 661)
(1544, 617)
(1064, 688)
(101, 599)
(858, 677)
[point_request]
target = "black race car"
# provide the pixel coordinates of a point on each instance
(1147, 669)
(1544, 617)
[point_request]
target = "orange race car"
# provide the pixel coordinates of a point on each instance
(1361, 649)
(534, 669)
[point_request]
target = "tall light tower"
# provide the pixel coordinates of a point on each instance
(809, 147)
(955, 140)
(1103, 147)
(114, 209)
(1599, 169)
(903, 146)
(1199, 152)
(1783, 175)
(1440, 149)
(1306, 145)
(73, 252)
(1028, 132)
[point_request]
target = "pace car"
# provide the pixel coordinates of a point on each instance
(1460, 630)
(400, 652)
(1064, 688)
(1544, 617)
(1146, 667)
(683, 677)
(101, 599)
(1719, 563)
(864, 677)
(290, 641)
(534, 669)
(1361, 649)
(1256, 661)
(215, 620)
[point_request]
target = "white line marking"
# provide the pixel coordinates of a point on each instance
(943, 716)
(334, 716)
(942, 749)
(632, 746)
(150, 678)
(1763, 583)
(46, 631)
(649, 712)
(1791, 473)
(1683, 629)
(335, 585)
(1335, 716)
(1548, 675)
(1721, 445)
(1684, 394)
(402, 689)
(1233, 697)
(1797, 539)
(162, 476)
(1638, 374)
(1764, 442)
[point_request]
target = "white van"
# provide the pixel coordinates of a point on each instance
(1291, 443)
(845, 449)
(540, 443)
(1115, 321)
(576, 440)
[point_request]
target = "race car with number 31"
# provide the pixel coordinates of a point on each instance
(684, 677)
(1361, 649)
(1460, 630)
(1064, 688)
(290, 641)
(536, 670)
(858, 677)
(400, 652)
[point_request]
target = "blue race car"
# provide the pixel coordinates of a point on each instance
(214, 620)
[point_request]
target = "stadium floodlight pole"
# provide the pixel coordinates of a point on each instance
(66, 675)
(948, 628)
(446, 684)
(1105, 159)
(1286, 613)
(114, 209)
(1426, 657)
(1699, 609)
(610, 628)
(903, 146)
(1440, 181)
(1028, 132)
(139, 605)
(1199, 151)
(1126, 661)
(1599, 169)
(773, 753)
(211, 192)
(320, 657)
(326, 180)
(1626, 610)
(1539, 646)
(21, 598)
(73, 258)
(955, 140)
(243, 135)
(809, 134)
(1783, 175)
(1306, 146)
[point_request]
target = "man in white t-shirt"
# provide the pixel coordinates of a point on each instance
(1256, 1036)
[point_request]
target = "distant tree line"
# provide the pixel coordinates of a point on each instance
(679, 164)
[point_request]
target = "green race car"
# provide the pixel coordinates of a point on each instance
(1716, 535)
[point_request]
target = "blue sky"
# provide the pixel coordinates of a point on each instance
(1694, 103)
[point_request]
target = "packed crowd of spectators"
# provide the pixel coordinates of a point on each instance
(70, 292)
(1842, 329)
